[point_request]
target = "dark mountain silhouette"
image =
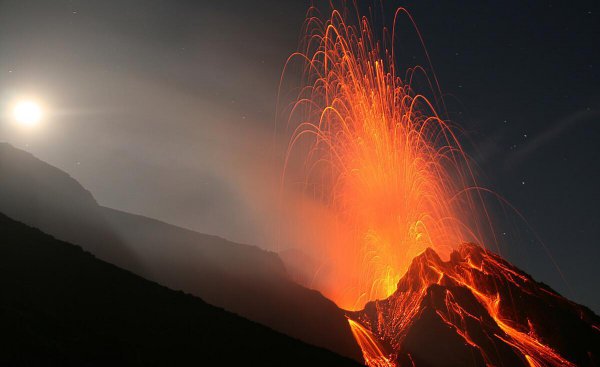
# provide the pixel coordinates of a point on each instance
(61, 306)
(243, 279)
(478, 310)
(240, 278)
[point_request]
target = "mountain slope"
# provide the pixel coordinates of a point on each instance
(243, 279)
(61, 306)
(240, 278)
(476, 309)
(44, 197)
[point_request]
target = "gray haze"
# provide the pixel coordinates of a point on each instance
(157, 107)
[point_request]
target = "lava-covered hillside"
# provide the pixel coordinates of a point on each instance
(475, 309)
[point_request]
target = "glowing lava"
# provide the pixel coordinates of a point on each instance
(380, 158)
(480, 311)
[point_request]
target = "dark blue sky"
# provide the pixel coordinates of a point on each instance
(157, 108)
(525, 84)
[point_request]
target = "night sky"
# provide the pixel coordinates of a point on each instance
(167, 109)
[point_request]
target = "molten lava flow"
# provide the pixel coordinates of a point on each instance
(486, 307)
(373, 353)
(390, 170)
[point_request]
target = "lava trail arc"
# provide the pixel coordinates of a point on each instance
(378, 155)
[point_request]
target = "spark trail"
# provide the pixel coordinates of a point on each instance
(391, 171)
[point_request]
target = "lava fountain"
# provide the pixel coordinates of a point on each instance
(405, 206)
(380, 158)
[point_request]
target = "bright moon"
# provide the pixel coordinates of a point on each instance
(27, 113)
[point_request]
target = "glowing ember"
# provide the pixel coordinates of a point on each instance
(381, 159)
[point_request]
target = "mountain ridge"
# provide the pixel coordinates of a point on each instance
(62, 306)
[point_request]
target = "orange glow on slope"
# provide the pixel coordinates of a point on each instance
(387, 167)
(485, 275)
(535, 352)
(372, 352)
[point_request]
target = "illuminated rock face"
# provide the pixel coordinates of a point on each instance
(475, 310)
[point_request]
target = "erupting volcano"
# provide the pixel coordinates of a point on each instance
(381, 159)
(406, 206)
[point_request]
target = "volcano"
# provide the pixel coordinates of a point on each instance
(379, 152)
(475, 309)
